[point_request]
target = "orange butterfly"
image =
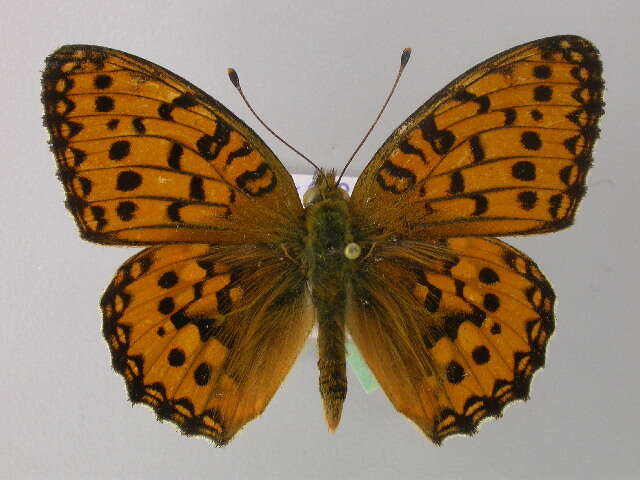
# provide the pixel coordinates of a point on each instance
(205, 323)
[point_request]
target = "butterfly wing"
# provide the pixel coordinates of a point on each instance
(204, 329)
(205, 334)
(146, 157)
(504, 149)
(457, 334)
(454, 328)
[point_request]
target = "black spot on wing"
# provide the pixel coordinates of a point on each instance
(395, 179)
(210, 146)
(482, 204)
(509, 116)
(465, 96)
(456, 183)
(239, 153)
(441, 140)
(196, 188)
(249, 180)
(185, 100)
(476, 149)
(407, 148)
(138, 126)
(175, 154)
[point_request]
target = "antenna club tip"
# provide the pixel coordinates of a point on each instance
(233, 76)
(406, 53)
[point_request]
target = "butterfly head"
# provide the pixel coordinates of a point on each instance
(324, 187)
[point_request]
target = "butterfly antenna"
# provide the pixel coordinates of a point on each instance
(235, 80)
(404, 59)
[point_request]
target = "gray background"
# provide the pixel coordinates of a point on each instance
(318, 72)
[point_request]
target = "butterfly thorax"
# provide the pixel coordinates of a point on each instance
(328, 233)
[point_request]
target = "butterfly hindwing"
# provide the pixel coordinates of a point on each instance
(146, 157)
(202, 335)
(504, 149)
(459, 332)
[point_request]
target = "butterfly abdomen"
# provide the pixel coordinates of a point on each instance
(328, 232)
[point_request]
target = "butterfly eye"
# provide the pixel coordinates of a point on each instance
(352, 250)
(311, 196)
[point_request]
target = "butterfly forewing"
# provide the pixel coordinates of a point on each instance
(504, 149)
(146, 157)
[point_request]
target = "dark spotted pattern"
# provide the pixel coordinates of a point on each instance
(476, 149)
(524, 170)
(185, 100)
(202, 374)
(451, 324)
(491, 302)
(441, 140)
(531, 140)
(527, 200)
(78, 156)
(223, 295)
(102, 81)
(175, 154)
(536, 114)
(196, 189)
(128, 180)
(545, 86)
(542, 93)
(403, 179)
(119, 150)
(457, 183)
(481, 355)
(176, 357)
(542, 71)
(434, 294)
(465, 96)
(510, 116)
(407, 148)
(251, 182)
(98, 216)
(239, 153)
(138, 126)
(85, 185)
(571, 142)
(246, 181)
(104, 104)
(207, 327)
(489, 276)
(554, 204)
(455, 372)
(540, 297)
(210, 146)
(565, 174)
(126, 210)
(168, 280)
(482, 204)
(166, 305)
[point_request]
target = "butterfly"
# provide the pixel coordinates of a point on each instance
(205, 322)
